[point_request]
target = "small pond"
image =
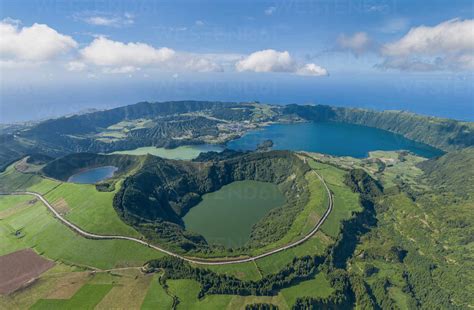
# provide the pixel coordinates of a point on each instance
(93, 175)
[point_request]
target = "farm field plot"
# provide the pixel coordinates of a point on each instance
(86, 298)
(34, 227)
(20, 268)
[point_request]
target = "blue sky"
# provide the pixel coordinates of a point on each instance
(411, 55)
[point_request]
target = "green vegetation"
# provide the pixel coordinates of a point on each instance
(212, 283)
(86, 298)
(318, 287)
(345, 201)
(399, 237)
(418, 253)
(32, 226)
(92, 210)
(154, 199)
(156, 297)
(243, 271)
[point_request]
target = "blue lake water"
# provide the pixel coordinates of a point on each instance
(338, 139)
(93, 175)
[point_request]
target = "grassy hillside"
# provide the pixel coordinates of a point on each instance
(452, 173)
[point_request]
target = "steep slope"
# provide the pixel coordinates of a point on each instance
(156, 197)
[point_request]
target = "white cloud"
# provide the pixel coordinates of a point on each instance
(358, 43)
(107, 20)
(36, 43)
(266, 61)
(446, 46)
(105, 52)
(199, 23)
(312, 70)
(270, 10)
(75, 66)
(275, 61)
(118, 57)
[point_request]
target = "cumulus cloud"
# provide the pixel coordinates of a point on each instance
(107, 20)
(266, 61)
(274, 61)
(106, 52)
(446, 46)
(312, 70)
(118, 57)
(37, 43)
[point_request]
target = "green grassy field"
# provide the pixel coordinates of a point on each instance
(82, 204)
(90, 209)
(86, 298)
(317, 287)
(345, 201)
(317, 245)
(37, 228)
(156, 297)
(187, 293)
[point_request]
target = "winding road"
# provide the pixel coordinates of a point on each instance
(223, 261)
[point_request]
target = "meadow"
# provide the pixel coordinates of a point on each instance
(34, 227)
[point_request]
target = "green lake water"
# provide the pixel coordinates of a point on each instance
(338, 139)
(186, 152)
(226, 216)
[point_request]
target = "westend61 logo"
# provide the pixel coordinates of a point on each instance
(335, 7)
